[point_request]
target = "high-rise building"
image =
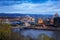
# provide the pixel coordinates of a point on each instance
(51, 21)
(56, 15)
(47, 21)
(57, 21)
(40, 21)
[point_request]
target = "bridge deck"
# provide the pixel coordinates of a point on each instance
(39, 28)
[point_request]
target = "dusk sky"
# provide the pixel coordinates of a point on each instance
(30, 6)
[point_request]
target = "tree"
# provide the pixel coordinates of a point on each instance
(44, 37)
(5, 31)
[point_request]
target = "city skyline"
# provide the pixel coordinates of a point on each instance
(30, 6)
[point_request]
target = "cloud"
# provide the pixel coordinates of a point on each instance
(32, 8)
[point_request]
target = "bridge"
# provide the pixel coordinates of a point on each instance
(38, 28)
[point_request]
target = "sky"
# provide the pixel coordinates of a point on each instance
(30, 6)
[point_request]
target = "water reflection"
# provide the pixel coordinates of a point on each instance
(35, 33)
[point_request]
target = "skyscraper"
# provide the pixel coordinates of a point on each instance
(57, 20)
(56, 15)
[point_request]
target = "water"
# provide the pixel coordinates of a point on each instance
(34, 33)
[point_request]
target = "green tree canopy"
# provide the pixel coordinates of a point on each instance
(44, 37)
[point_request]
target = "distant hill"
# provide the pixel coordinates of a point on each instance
(32, 15)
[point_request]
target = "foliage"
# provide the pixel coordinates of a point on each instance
(7, 34)
(5, 31)
(44, 37)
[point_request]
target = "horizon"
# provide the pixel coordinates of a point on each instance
(28, 13)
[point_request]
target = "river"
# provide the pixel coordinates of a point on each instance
(35, 33)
